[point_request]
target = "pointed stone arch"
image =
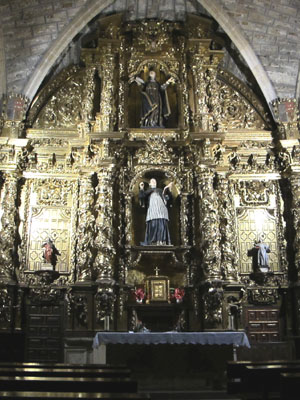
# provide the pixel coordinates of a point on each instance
(217, 11)
(94, 7)
(2, 64)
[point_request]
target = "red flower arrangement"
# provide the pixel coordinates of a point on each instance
(139, 294)
(179, 294)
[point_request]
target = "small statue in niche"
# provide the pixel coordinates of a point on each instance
(260, 257)
(155, 103)
(156, 201)
(50, 252)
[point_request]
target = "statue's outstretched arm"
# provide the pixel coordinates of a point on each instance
(167, 83)
(139, 81)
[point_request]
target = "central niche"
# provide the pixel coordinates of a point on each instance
(135, 95)
(139, 213)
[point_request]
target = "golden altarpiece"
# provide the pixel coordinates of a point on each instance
(71, 172)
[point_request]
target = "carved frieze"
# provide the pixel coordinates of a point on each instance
(254, 192)
(105, 303)
(156, 151)
(263, 296)
(52, 192)
(45, 294)
(213, 303)
(77, 307)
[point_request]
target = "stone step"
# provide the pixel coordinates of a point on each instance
(192, 395)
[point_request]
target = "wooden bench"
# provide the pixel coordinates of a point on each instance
(258, 377)
(62, 381)
(290, 386)
(60, 365)
(75, 396)
(68, 372)
(67, 384)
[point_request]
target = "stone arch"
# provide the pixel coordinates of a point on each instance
(2, 64)
(90, 10)
(235, 33)
(156, 168)
(97, 6)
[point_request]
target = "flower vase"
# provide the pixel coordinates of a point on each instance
(139, 301)
(178, 301)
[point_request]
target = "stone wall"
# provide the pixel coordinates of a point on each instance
(272, 27)
(30, 26)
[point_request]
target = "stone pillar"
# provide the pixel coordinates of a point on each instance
(209, 226)
(12, 115)
(122, 80)
(200, 95)
(228, 232)
(8, 234)
(85, 230)
(184, 219)
(295, 188)
(103, 264)
(107, 105)
(183, 87)
(286, 114)
(204, 63)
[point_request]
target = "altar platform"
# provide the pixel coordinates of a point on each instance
(171, 360)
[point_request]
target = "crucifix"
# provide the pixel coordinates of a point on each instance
(156, 269)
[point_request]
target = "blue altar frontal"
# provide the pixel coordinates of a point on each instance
(148, 338)
(102, 339)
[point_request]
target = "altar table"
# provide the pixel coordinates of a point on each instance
(101, 339)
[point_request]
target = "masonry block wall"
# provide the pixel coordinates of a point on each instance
(28, 27)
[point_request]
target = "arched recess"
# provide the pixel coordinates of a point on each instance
(95, 7)
(137, 214)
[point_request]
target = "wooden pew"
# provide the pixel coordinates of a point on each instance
(290, 386)
(69, 372)
(75, 396)
(60, 381)
(67, 384)
(258, 377)
(60, 365)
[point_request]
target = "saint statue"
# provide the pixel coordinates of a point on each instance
(260, 256)
(155, 103)
(156, 201)
(50, 252)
